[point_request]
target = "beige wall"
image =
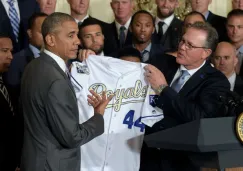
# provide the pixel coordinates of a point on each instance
(101, 8)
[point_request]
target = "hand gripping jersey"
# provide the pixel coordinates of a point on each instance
(118, 149)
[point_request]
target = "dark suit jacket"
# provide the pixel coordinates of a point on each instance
(16, 69)
(112, 43)
(199, 98)
(157, 51)
(238, 85)
(7, 143)
(219, 23)
(171, 38)
(26, 9)
(52, 134)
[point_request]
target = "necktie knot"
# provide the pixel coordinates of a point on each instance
(161, 23)
(10, 2)
(184, 73)
(122, 28)
(80, 23)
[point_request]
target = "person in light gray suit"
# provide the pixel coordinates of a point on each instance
(52, 133)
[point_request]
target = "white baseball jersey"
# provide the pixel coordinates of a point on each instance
(118, 149)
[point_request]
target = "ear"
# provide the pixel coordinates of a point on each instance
(206, 53)
(153, 30)
(29, 32)
(50, 40)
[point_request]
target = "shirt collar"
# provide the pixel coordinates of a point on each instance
(77, 21)
(206, 15)
(34, 50)
(192, 71)
(118, 25)
(61, 63)
(232, 81)
(239, 50)
(167, 20)
(148, 48)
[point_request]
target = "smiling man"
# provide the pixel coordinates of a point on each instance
(168, 27)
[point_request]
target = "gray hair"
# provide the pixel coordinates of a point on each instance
(212, 35)
(53, 21)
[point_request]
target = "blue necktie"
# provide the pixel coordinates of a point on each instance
(178, 83)
(14, 19)
(122, 36)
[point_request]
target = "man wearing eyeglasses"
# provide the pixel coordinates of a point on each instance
(188, 89)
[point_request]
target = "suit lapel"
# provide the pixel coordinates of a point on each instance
(195, 80)
(29, 55)
(238, 83)
(51, 61)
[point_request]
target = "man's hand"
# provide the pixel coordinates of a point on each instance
(84, 53)
(99, 102)
(154, 76)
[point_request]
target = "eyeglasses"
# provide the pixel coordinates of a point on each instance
(189, 46)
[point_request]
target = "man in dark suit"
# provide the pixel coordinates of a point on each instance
(168, 27)
(218, 22)
(142, 28)
(53, 135)
(188, 88)
(117, 35)
(225, 60)
(22, 58)
(14, 16)
(7, 143)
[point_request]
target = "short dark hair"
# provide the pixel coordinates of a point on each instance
(88, 22)
(235, 12)
(53, 21)
(32, 19)
(195, 13)
(212, 35)
(129, 51)
(142, 12)
(4, 35)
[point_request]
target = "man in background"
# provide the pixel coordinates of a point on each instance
(118, 35)
(14, 15)
(47, 6)
(168, 27)
(91, 36)
(7, 126)
(225, 60)
(237, 4)
(218, 22)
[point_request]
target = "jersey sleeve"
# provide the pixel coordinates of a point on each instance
(150, 115)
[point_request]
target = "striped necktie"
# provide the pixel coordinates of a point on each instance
(4, 92)
(179, 82)
(14, 18)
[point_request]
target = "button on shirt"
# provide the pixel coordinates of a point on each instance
(6, 6)
(191, 72)
(126, 25)
(166, 21)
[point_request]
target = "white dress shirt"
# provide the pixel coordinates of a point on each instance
(167, 22)
(232, 79)
(126, 26)
(191, 72)
(61, 63)
(6, 6)
(77, 21)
